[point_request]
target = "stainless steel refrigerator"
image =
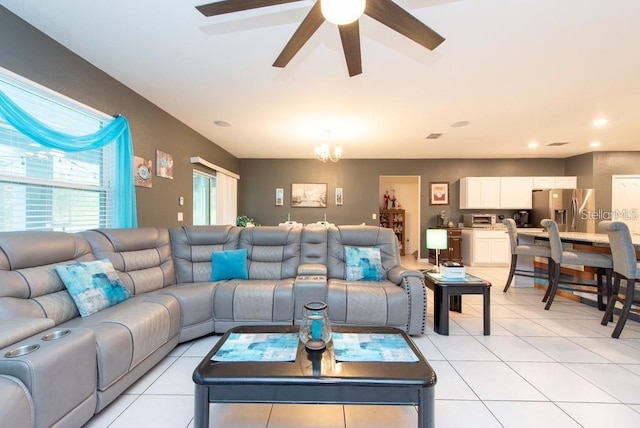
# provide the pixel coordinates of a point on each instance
(571, 209)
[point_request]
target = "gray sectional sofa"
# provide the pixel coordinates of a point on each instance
(81, 364)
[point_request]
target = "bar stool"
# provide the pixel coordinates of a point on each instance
(521, 250)
(603, 263)
(625, 265)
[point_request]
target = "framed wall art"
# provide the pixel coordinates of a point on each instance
(142, 171)
(438, 193)
(279, 197)
(164, 165)
(309, 195)
(339, 196)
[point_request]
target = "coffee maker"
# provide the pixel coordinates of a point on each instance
(441, 219)
(521, 218)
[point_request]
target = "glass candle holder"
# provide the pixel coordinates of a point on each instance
(315, 331)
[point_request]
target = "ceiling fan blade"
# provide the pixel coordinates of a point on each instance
(393, 16)
(230, 6)
(350, 35)
(307, 27)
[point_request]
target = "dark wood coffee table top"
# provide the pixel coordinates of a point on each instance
(314, 367)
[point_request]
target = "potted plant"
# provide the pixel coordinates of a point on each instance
(246, 221)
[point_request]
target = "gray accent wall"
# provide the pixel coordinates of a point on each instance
(360, 181)
(582, 167)
(30, 53)
(594, 170)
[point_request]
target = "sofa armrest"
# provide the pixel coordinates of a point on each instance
(16, 329)
(397, 273)
(16, 405)
(312, 269)
(413, 283)
(60, 374)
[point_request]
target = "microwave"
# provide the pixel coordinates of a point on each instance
(479, 220)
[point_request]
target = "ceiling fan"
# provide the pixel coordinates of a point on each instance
(384, 11)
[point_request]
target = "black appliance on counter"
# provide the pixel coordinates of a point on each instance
(441, 219)
(521, 218)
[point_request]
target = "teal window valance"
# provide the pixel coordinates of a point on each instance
(116, 131)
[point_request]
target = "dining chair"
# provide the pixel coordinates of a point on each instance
(602, 262)
(518, 249)
(625, 265)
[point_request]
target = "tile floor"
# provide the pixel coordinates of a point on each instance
(557, 368)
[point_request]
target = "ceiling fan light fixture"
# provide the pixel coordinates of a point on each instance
(342, 12)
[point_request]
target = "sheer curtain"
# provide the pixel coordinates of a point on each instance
(124, 210)
(227, 198)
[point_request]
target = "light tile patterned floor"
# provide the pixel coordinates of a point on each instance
(557, 368)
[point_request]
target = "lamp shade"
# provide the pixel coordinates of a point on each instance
(341, 12)
(436, 239)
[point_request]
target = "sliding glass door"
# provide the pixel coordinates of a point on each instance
(204, 198)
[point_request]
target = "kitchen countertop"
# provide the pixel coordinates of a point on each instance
(578, 237)
(496, 227)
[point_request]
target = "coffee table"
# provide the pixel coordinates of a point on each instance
(448, 296)
(315, 378)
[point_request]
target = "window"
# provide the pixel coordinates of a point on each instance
(47, 189)
(215, 197)
(204, 198)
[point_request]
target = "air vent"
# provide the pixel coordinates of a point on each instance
(560, 143)
(433, 136)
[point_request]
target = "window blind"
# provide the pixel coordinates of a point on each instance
(47, 189)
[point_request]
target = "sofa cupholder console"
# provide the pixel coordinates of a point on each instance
(27, 349)
(55, 335)
(22, 350)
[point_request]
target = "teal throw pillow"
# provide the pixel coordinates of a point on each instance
(231, 264)
(93, 286)
(364, 264)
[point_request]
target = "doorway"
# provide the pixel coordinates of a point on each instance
(625, 194)
(407, 192)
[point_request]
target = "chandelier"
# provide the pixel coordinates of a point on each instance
(323, 153)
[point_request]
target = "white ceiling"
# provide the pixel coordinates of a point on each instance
(517, 70)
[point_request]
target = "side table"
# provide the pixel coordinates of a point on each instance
(448, 296)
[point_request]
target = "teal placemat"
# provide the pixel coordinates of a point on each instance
(372, 347)
(258, 347)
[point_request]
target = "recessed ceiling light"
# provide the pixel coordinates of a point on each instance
(533, 145)
(600, 122)
(595, 144)
(222, 123)
(433, 136)
(460, 124)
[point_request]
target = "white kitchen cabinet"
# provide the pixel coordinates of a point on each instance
(485, 247)
(479, 192)
(566, 182)
(543, 183)
(515, 192)
(507, 192)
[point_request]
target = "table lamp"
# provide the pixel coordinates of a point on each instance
(437, 240)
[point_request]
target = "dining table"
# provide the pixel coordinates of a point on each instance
(582, 241)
